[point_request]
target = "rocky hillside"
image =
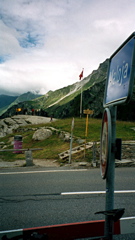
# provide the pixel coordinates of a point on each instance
(8, 125)
(65, 102)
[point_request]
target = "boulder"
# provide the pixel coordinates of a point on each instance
(42, 134)
(67, 137)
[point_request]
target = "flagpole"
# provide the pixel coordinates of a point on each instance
(81, 76)
(81, 102)
(71, 140)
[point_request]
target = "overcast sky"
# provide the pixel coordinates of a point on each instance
(44, 44)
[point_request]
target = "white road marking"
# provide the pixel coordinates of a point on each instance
(125, 191)
(96, 192)
(79, 193)
(128, 218)
(45, 171)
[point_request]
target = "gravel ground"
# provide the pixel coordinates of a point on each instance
(36, 162)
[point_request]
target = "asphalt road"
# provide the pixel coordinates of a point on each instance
(32, 197)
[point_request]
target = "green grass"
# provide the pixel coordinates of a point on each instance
(94, 127)
(124, 130)
(54, 145)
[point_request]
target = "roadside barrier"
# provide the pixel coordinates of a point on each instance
(28, 154)
(70, 231)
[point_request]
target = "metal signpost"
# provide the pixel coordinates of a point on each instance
(118, 90)
(87, 112)
(71, 140)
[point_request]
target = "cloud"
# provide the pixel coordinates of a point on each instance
(45, 44)
(8, 41)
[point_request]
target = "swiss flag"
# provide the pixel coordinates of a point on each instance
(81, 75)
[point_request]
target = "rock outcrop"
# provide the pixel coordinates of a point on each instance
(8, 125)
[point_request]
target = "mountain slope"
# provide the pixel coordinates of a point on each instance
(6, 102)
(65, 102)
(65, 95)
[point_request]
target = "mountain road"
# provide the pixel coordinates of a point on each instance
(32, 197)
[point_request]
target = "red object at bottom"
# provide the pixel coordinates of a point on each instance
(72, 231)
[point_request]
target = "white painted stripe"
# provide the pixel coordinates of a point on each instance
(11, 233)
(45, 171)
(125, 191)
(96, 192)
(79, 193)
(126, 218)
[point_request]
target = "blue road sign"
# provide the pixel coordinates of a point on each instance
(121, 73)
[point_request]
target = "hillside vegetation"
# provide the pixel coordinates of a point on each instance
(55, 145)
(65, 102)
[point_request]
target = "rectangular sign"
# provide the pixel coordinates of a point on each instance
(121, 74)
(88, 111)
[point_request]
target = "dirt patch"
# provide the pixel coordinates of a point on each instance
(17, 163)
(46, 163)
(37, 162)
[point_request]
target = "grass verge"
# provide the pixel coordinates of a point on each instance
(55, 145)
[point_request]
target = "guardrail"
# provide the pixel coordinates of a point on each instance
(28, 154)
(80, 230)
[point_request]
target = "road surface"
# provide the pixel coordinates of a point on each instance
(32, 197)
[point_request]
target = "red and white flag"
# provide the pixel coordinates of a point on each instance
(81, 75)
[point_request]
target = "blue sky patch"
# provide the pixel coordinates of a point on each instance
(4, 58)
(30, 41)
